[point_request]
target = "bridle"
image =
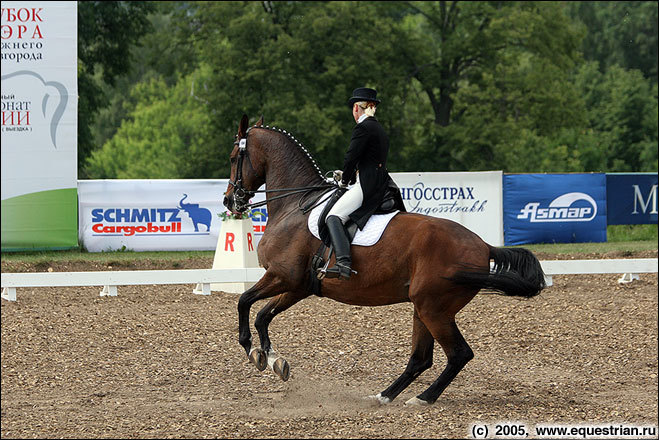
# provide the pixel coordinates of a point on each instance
(241, 195)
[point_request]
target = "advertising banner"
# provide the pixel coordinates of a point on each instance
(631, 198)
(162, 215)
(155, 215)
(39, 125)
(554, 208)
(473, 199)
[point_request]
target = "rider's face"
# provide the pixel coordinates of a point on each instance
(357, 111)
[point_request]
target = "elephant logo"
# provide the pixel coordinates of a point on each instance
(197, 214)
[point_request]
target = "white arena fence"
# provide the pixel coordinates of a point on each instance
(203, 278)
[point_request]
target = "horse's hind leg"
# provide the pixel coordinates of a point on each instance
(266, 355)
(458, 353)
(420, 361)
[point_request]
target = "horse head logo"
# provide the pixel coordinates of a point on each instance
(62, 96)
(197, 214)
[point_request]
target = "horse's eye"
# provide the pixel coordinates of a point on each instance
(233, 160)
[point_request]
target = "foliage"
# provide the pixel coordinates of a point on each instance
(106, 31)
(228, 215)
(464, 85)
(622, 110)
(619, 34)
(162, 54)
(165, 136)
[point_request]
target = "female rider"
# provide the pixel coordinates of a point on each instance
(365, 167)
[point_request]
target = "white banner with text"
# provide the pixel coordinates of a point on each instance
(177, 215)
(153, 215)
(39, 124)
(473, 199)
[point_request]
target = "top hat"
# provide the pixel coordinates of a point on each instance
(363, 94)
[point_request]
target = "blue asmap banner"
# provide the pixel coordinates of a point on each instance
(631, 198)
(554, 208)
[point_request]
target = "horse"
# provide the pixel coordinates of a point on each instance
(436, 264)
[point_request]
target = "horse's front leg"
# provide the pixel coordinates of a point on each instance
(276, 305)
(268, 286)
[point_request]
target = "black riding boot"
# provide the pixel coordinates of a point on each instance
(341, 246)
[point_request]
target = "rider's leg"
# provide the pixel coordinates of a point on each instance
(341, 246)
(336, 218)
(349, 202)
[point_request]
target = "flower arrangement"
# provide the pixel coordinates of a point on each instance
(228, 215)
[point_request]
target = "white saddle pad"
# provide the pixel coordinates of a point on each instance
(366, 237)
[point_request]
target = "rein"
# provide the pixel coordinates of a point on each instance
(241, 192)
(305, 189)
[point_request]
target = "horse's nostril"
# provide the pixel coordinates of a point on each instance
(227, 202)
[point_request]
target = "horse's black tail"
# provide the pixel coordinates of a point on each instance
(516, 272)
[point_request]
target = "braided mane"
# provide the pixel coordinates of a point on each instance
(298, 144)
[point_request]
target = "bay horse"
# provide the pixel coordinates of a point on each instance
(436, 264)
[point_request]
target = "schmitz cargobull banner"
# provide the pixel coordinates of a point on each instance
(39, 125)
(155, 215)
(473, 199)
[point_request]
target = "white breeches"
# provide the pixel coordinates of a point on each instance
(349, 202)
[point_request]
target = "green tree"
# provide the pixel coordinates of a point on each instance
(106, 30)
(622, 110)
(164, 137)
(489, 70)
(619, 33)
(465, 86)
(159, 53)
(297, 64)
(617, 133)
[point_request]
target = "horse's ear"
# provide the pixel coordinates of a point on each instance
(242, 128)
(259, 123)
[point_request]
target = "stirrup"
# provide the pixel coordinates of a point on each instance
(339, 271)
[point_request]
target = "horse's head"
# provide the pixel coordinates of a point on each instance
(247, 169)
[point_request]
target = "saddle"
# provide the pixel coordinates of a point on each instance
(320, 260)
(387, 206)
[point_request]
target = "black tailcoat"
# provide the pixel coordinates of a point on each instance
(367, 153)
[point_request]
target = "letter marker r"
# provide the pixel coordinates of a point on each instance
(250, 246)
(229, 241)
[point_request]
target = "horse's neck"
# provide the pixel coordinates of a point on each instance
(280, 178)
(288, 168)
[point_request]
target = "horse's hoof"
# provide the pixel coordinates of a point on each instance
(281, 368)
(258, 357)
(380, 399)
(415, 401)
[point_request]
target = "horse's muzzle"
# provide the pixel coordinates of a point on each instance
(238, 200)
(228, 203)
